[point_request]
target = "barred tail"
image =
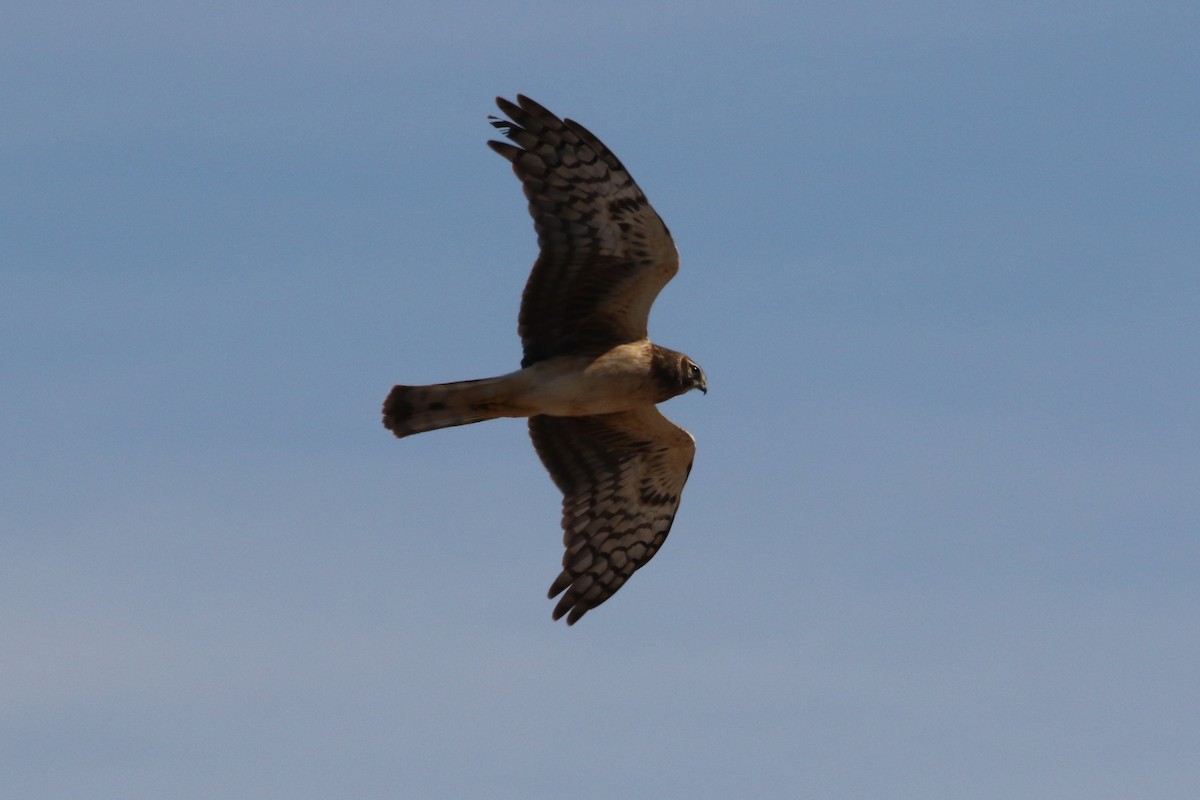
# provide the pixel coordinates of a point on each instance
(415, 409)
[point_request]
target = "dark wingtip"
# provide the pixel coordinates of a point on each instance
(507, 106)
(500, 124)
(573, 615)
(568, 605)
(528, 104)
(561, 582)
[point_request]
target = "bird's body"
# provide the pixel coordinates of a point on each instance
(619, 379)
(590, 377)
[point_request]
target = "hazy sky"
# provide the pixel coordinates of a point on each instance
(941, 264)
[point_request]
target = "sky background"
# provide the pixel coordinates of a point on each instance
(942, 537)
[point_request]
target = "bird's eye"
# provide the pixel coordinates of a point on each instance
(695, 372)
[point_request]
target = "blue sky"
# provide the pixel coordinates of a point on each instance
(942, 537)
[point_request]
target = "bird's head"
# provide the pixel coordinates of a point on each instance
(673, 373)
(693, 376)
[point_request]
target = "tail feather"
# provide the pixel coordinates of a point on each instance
(416, 409)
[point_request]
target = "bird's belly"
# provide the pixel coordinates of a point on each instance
(573, 393)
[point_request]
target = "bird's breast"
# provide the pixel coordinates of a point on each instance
(570, 386)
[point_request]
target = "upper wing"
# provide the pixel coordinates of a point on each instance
(621, 476)
(605, 253)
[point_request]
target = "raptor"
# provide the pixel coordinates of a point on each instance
(590, 379)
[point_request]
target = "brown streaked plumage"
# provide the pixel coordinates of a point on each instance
(590, 378)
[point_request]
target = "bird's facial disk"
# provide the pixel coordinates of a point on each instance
(695, 377)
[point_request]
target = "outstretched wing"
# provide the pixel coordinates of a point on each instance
(621, 476)
(604, 251)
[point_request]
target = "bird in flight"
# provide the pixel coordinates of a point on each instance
(590, 378)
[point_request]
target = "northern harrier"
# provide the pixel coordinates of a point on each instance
(590, 377)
